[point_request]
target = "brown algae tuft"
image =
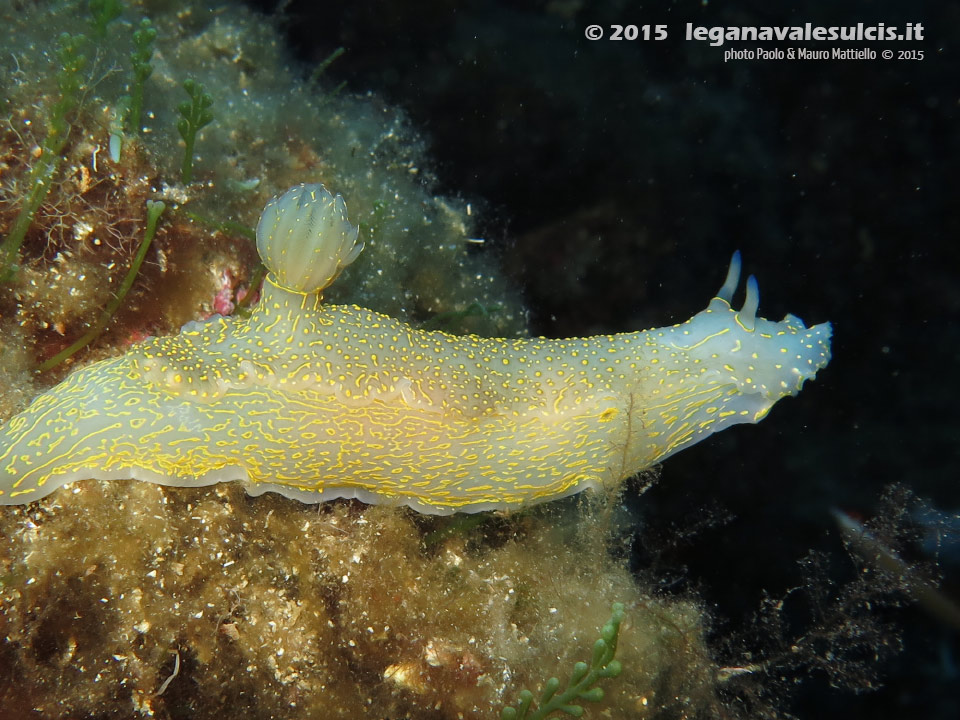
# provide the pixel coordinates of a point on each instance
(296, 611)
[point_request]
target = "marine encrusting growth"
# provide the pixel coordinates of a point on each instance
(318, 402)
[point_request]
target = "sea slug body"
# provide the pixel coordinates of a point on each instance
(319, 401)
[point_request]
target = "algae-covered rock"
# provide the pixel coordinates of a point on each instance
(273, 608)
(271, 129)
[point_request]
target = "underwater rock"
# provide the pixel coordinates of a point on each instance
(273, 608)
(271, 129)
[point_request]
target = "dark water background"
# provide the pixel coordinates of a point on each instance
(615, 179)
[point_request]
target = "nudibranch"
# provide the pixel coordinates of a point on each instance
(318, 401)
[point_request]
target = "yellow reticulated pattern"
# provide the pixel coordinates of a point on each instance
(319, 401)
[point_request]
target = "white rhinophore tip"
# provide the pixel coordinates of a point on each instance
(725, 293)
(748, 313)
